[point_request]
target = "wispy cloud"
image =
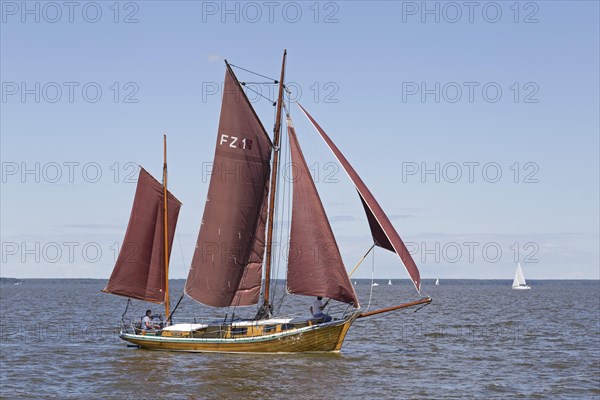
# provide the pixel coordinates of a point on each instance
(214, 58)
(400, 216)
(342, 218)
(93, 226)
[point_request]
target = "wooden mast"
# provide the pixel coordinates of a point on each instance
(165, 229)
(272, 195)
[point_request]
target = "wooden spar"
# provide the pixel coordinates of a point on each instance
(424, 301)
(165, 229)
(272, 195)
(361, 260)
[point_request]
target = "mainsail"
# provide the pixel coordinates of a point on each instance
(382, 230)
(315, 266)
(226, 269)
(139, 272)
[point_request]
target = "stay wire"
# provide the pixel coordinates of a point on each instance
(274, 232)
(244, 83)
(260, 94)
(181, 249)
(277, 200)
(289, 219)
(184, 264)
(125, 312)
(280, 207)
(372, 278)
(255, 73)
(286, 207)
(287, 182)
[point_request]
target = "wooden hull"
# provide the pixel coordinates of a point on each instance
(325, 337)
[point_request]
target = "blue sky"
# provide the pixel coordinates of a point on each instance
(402, 88)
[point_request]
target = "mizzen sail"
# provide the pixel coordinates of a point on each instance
(315, 266)
(139, 272)
(382, 230)
(227, 264)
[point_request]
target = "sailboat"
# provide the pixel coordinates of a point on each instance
(390, 282)
(233, 259)
(437, 282)
(519, 281)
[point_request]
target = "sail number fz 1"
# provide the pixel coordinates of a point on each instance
(235, 142)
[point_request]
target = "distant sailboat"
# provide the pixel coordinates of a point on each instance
(519, 281)
(437, 282)
(375, 284)
(390, 282)
(355, 282)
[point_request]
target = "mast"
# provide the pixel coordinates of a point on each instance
(165, 228)
(272, 195)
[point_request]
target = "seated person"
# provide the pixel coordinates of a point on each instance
(317, 310)
(147, 323)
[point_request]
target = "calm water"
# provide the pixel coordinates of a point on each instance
(479, 339)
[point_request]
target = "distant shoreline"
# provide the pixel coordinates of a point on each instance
(9, 280)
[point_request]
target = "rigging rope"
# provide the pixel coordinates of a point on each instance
(277, 199)
(184, 264)
(259, 93)
(426, 304)
(372, 278)
(280, 210)
(286, 207)
(170, 319)
(423, 294)
(256, 83)
(125, 312)
(274, 226)
(255, 73)
(289, 201)
(289, 99)
(181, 249)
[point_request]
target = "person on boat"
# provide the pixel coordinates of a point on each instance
(147, 321)
(317, 310)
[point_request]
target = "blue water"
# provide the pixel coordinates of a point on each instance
(478, 339)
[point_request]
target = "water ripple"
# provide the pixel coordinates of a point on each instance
(475, 341)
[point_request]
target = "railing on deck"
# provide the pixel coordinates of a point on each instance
(227, 329)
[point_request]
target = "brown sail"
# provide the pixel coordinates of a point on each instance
(139, 272)
(227, 264)
(382, 230)
(315, 266)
